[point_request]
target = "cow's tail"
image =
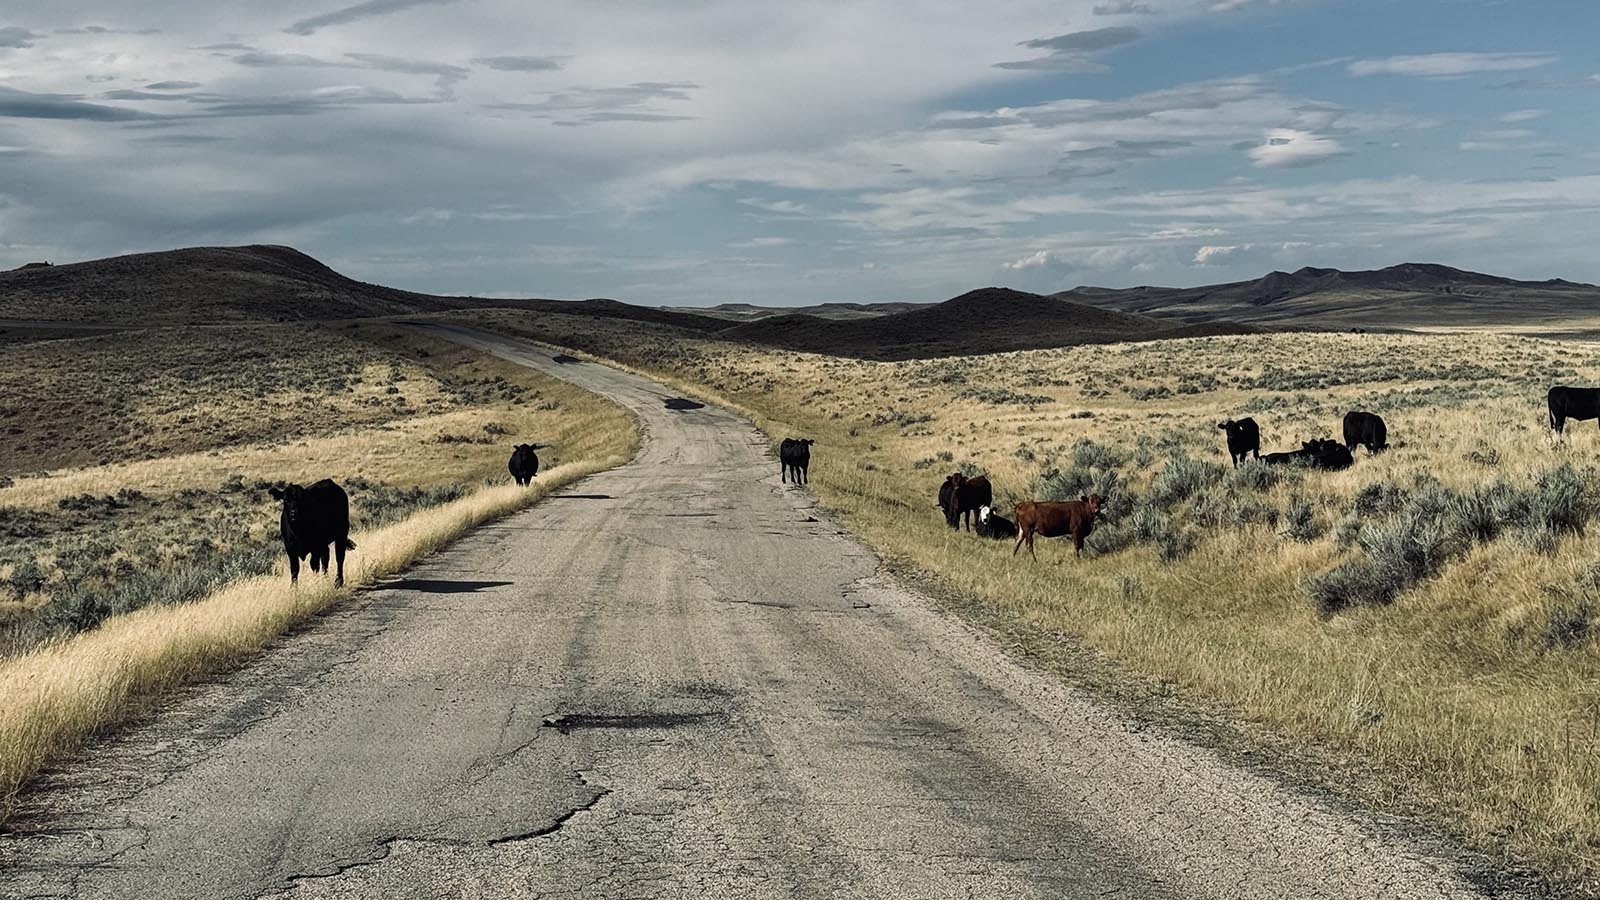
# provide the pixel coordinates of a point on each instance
(349, 544)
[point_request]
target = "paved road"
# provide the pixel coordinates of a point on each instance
(675, 679)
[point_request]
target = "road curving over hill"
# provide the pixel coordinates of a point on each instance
(673, 679)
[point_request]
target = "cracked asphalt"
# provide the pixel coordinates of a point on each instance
(674, 679)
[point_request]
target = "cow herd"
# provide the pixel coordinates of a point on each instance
(961, 496)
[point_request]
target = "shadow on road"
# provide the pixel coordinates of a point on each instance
(437, 586)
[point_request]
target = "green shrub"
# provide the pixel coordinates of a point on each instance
(1183, 477)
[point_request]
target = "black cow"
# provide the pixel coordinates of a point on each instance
(1367, 430)
(794, 458)
(964, 498)
(1318, 453)
(1243, 438)
(1572, 403)
(524, 464)
(1324, 453)
(314, 517)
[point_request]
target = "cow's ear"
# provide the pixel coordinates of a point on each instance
(276, 492)
(1084, 498)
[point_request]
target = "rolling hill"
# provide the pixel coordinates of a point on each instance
(746, 312)
(988, 320)
(1409, 295)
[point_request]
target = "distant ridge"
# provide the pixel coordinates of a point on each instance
(987, 320)
(1404, 295)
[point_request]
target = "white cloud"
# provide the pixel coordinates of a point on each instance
(1292, 147)
(1522, 115)
(1209, 253)
(1436, 65)
(1032, 261)
(757, 242)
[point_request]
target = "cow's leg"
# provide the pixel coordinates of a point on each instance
(783, 472)
(294, 569)
(1021, 533)
(805, 473)
(1077, 544)
(338, 554)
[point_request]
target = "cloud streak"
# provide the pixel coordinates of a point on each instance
(356, 13)
(1444, 65)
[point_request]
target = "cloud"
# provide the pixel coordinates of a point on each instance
(519, 63)
(757, 242)
(171, 85)
(1522, 115)
(1442, 65)
(1085, 41)
(355, 13)
(1035, 260)
(624, 103)
(1124, 8)
(18, 104)
(1070, 52)
(1288, 147)
(1231, 5)
(1209, 253)
(13, 37)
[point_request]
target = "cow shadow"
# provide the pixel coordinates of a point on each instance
(682, 403)
(439, 586)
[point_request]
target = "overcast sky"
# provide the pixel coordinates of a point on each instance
(697, 152)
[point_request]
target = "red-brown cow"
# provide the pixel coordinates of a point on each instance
(1056, 519)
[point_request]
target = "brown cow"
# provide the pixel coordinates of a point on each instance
(963, 497)
(1056, 519)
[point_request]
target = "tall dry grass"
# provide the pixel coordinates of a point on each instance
(1471, 700)
(60, 695)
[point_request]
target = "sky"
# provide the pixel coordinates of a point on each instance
(695, 152)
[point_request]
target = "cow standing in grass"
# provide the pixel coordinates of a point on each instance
(1244, 439)
(965, 497)
(314, 517)
(524, 464)
(1056, 519)
(1572, 403)
(1365, 429)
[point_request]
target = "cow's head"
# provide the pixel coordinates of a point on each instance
(984, 513)
(1093, 502)
(1226, 426)
(290, 495)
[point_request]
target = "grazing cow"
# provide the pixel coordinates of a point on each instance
(314, 517)
(1367, 430)
(993, 525)
(1243, 438)
(794, 458)
(1572, 403)
(965, 498)
(524, 464)
(1056, 519)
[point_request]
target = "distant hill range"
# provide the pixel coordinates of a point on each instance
(1409, 295)
(255, 284)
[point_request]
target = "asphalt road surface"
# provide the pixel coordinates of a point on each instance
(674, 679)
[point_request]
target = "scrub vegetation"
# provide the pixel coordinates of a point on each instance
(1418, 632)
(159, 560)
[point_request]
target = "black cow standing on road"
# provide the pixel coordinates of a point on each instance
(524, 464)
(314, 517)
(1367, 430)
(1572, 403)
(1244, 439)
(794, 458)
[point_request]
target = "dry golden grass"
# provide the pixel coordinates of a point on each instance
(61, 692)
(1472, 700)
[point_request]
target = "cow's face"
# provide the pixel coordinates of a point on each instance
(1093, 501)
(291, 495)
(983, 514)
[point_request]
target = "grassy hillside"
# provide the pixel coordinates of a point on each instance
(1419, 631)
(135, 467)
